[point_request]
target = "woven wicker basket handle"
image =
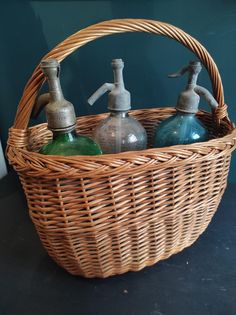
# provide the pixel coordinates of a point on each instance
(93, 32)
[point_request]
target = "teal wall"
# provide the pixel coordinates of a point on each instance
(29, 29)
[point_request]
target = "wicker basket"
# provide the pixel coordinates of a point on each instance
(99, 216)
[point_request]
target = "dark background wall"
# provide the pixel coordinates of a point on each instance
(29, 29)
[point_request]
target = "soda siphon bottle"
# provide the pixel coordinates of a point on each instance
(61, 118)
(119, 132)
(184, 127)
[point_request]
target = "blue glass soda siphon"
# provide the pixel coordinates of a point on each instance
(184, 127)
(119, 132)
(61, 118)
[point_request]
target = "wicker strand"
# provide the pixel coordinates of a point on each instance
(221, 112)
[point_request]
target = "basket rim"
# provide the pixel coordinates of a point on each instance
(127, 163)
(57, 166)
(150, 151)
(127, 154)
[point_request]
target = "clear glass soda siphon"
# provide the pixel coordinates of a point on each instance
(61, 118)
(119, 132)
(184, 127)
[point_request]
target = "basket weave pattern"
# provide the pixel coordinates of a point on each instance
(103, 215)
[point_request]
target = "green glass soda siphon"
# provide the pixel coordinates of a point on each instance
(184, 127)
(61, 118)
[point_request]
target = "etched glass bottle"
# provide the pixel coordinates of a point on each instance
(119, 132)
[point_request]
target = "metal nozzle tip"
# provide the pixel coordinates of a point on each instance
(196, 65)
(117, 63)
(48, 63)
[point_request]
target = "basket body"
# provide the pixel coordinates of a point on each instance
(104, 215)
(98, 223)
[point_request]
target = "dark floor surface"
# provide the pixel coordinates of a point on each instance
(199, 280)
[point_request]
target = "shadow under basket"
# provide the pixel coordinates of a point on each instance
(99, 216)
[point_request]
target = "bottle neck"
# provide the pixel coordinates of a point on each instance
(192, 80)
(185, 114)
(121, 114)
(55, 89)
(118, 78)
(66, 135)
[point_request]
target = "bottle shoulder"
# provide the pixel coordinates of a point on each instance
(180, 129)
(124, 123)
(79, 145)
(180, 119)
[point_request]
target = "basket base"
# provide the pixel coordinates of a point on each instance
(92, 262)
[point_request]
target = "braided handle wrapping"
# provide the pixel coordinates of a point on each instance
(95, 31)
